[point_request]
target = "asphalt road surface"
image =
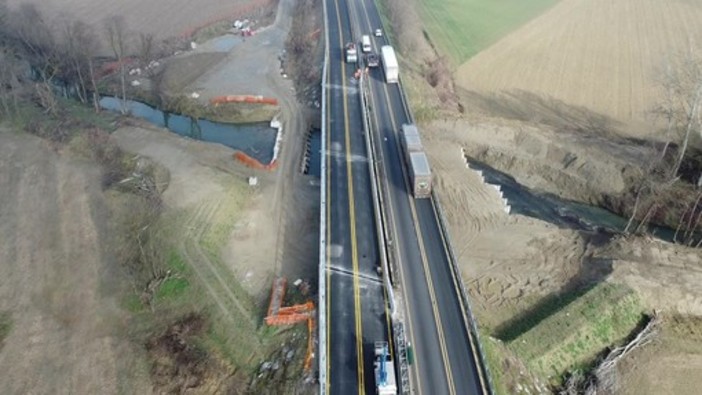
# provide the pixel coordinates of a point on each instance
(446, 360)
(356, 303)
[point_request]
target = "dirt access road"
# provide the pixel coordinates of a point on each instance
(60, 288)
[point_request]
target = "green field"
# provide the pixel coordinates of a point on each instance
(462, 28)
(572, 337)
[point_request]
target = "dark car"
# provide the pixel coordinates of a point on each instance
(372, 60)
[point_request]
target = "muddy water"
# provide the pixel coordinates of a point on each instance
(255, 139)
(561, 212)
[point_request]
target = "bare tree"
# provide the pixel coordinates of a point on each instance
(146, 48)
(10, 84)
(29, 28)
(86, 46)
(117, 37)
(682, 101)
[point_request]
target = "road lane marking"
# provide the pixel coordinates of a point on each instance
(352, 219)
(422, 252)
(399, 252)
(476, 358)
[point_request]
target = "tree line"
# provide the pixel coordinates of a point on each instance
(67, 50)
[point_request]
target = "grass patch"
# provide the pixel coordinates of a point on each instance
(176, 262)
(5, 326)
(572, 337)
(494, 353)
(462, 28)
(132, 303)
(172, 288)
(79, 115)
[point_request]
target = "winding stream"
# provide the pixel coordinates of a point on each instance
(255, 139)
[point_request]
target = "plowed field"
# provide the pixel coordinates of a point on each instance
(163, 18)
(603, 55)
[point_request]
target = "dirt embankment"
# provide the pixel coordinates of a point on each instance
(513, 265)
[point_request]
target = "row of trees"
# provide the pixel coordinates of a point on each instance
(673, 178)
(65, 51)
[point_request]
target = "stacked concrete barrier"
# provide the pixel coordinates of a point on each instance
(505, 203)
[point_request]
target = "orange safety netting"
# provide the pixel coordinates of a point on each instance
(243, 99)
(278, 315)
(253, 163)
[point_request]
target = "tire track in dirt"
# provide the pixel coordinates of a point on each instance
(196, 227)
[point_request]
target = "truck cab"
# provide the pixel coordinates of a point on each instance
(351, 53)
(366, 44)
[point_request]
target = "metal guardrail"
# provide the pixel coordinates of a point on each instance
(401, 353)
(322, 270)
(377, 198)
(464, 295)
(485, 370)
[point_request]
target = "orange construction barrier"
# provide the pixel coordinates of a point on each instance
(278, 315)
(253, 163)
(314, 34)
(310, 343)
(243, 99)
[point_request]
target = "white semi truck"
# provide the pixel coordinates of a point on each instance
(416, 161)
(390, 65)
(385, 383)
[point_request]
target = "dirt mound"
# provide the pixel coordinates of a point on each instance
(571, 165)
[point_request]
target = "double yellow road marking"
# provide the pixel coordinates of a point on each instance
(352, 221)
(420, 239)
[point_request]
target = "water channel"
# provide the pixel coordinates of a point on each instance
(556, 210)
(255, 139)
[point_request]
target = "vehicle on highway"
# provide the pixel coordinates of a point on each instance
(385, 383)
(416, 161)
(366, 43)
(372, 60)
(379, 32)
(390, 65)
(351, 53)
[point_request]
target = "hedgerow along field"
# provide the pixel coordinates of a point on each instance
(462, 28)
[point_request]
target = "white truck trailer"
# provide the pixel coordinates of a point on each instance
(390, 65)
(385, 383)
(417, 162)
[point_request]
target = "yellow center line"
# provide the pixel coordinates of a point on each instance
(399, 251)
(352, 219)
(425, 264)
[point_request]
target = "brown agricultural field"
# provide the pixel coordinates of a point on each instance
(603, 55)
(162, 18)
